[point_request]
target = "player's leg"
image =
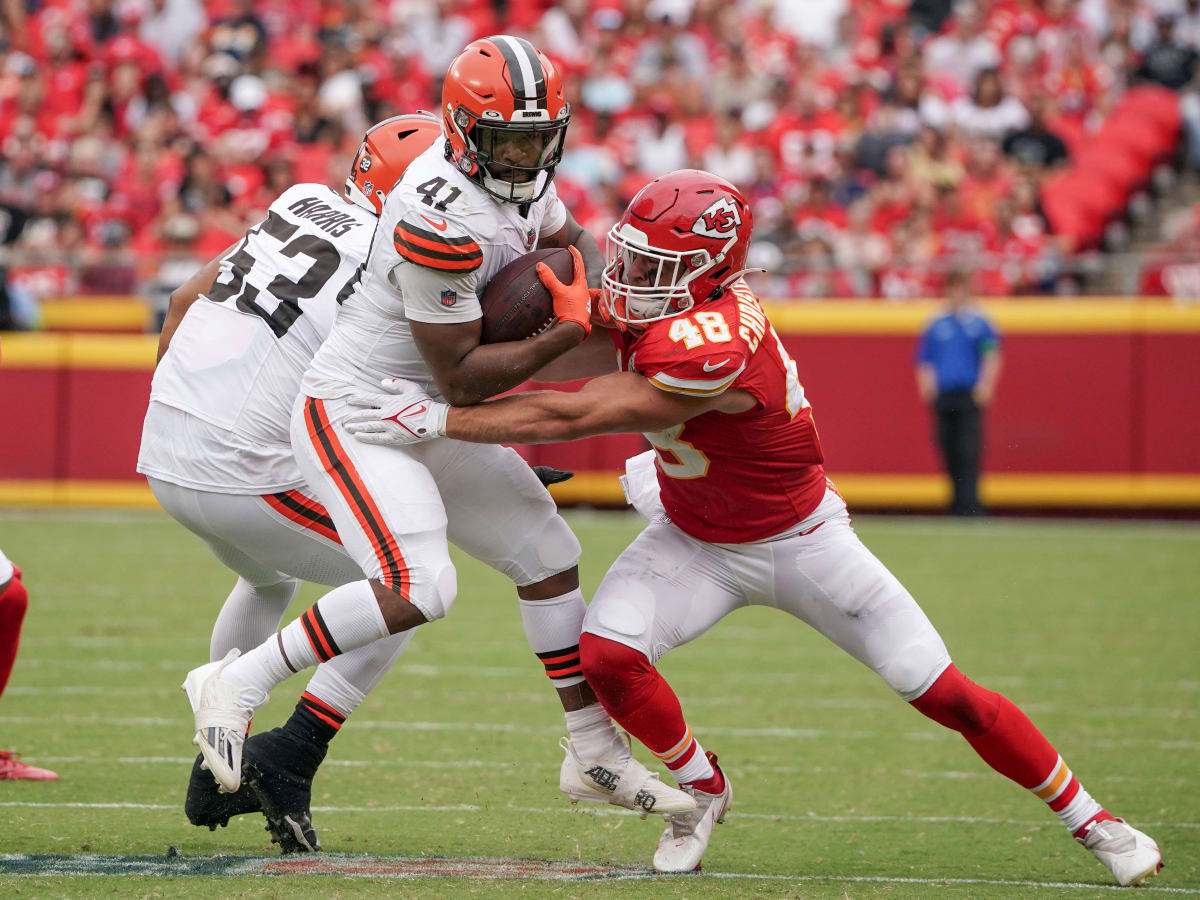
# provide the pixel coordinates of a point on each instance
(666, 589)
(14, 601)
(390, 520)
(500, 513)
(828, 578)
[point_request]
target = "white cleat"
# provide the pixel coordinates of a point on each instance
(1130, 855)
(220, 720)
(686, 837)
(621, 781)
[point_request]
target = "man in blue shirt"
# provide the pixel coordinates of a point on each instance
(958, 365)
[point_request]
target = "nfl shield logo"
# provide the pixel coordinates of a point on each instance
(530, 237)
(449, 298)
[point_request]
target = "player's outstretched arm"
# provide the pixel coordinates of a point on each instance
(595, 356)
(184, 296)
(612, 404)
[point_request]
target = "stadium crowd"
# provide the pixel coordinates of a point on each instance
(877, 139)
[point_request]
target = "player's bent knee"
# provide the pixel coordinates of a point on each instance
(439, 594)
(556, 547)
(619, 674)
(955, 701)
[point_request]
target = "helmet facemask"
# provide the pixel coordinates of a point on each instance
(644, 284)
(512, 161)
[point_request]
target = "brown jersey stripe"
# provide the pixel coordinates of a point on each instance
(435, 248)
(418, 232)
(314, 638)
(290, 505)
(431, 262)
(395, 573)
(324, 629)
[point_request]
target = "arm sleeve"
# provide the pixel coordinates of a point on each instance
(437, 297)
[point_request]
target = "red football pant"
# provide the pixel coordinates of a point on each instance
(13, 603)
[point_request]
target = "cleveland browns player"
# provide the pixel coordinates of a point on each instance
(464, 208)
(741, 512)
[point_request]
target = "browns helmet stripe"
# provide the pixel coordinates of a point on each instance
(528, 77)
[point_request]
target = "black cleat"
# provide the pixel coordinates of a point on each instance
(205, 805)
(279, 770)
(549, 475)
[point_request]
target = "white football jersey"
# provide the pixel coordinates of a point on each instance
(235, 364)
(439, 241)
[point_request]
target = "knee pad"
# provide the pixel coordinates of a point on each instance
(556, 547)
(955, 701)
(435, 602)
(621, 676)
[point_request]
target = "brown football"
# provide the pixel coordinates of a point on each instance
(516, 305)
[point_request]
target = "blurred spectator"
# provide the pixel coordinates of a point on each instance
(957, 56)
(958, 367)
(1035, 145)
(1166, 61)
(989, 112)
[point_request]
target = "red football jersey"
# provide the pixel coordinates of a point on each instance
(730, 478)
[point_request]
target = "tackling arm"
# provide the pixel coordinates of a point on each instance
(572, 234)
(612, 404)
(184, 296)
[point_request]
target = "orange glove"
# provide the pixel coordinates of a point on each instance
(572, 302)
(602, 313)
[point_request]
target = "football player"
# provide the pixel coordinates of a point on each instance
(463, 209)
(216, 452)
(14, 600)
(740, 510)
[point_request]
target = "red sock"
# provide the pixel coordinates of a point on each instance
(13, 603)
(1009, 742)
(634, 693)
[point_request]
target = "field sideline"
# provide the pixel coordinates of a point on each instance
(446, 777)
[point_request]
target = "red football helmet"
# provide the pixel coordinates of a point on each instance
(682, 241)
(386, 151)
(505, 117)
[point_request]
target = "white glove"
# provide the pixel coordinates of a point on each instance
(404, 415)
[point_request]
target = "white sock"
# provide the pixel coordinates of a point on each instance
(594, 735)
(344, 619)
(687, 761)
(250, 615)
(345, 680)
(552, 628)
(1077, 813)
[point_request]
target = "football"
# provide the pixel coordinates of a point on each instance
(516, 305)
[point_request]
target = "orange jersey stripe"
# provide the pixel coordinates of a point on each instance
(468, 249)
(325, 652)
(309, 518)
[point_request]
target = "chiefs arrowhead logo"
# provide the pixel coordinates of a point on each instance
(719, 220)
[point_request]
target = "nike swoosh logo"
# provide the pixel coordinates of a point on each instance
(709, 367)
(440, 226)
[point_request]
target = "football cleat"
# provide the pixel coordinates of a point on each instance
(279, 770)
(686, 837)
(12, 769)
(207, 805)
(220, 720)
(1127, 853)
(621, 781)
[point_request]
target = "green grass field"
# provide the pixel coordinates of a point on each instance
(841, 790)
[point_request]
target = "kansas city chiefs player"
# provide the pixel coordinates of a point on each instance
(740, 510)
(474, 201)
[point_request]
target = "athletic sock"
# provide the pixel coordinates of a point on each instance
(314, 721)
(1006, 739)
(552, 628)
(640, 699)
(13, 603)
(344, 619)
(250, 615)
(593, 735)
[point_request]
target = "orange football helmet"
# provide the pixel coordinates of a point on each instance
(385, 152)
(505, 117)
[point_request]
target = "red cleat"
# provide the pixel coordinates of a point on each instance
(12, 769)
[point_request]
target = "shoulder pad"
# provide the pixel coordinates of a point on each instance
(705, 370)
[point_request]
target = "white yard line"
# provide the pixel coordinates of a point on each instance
(812, 818)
